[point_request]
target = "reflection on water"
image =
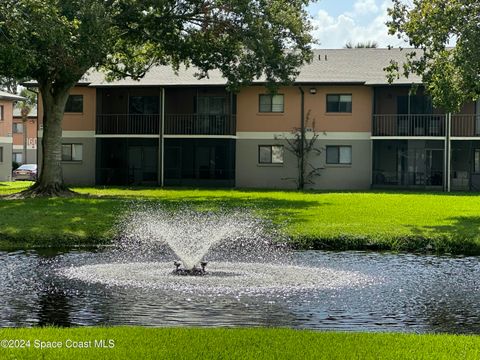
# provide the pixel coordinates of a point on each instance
(411, 294)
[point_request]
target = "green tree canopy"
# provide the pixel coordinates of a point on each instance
(55, 42)
(450, 74)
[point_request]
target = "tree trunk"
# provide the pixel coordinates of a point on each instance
(50, 182)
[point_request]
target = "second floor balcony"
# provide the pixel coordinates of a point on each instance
(421, 125)
(175, 124)
(198, 124)
(128, 124)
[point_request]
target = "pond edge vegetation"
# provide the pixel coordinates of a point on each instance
(387, 221)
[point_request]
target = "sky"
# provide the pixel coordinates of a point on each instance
(340, 21)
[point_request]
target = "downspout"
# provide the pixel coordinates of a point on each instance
(301, 183)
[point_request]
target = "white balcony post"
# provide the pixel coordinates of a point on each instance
(448, 152)
(162, 138)
(449, 155)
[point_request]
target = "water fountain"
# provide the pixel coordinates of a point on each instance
(251, 279)
(244, 255)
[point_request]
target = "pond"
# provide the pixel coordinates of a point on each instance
(358, 291)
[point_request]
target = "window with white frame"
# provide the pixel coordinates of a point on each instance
(269, 103)
(341, 155)
(270, 154)
(72, 152)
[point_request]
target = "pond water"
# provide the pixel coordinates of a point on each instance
(347, 291)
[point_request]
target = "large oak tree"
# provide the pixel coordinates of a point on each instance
(55, 42)
(450, 74)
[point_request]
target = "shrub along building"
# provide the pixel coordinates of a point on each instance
(7, 102)
(174, 129)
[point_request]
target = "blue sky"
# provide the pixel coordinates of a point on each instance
(340, 21)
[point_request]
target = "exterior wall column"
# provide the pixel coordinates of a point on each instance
(161, 147)
(449, 150)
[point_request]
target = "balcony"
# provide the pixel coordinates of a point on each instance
(409, 125)
(465, 125)
(115, 124)
(430, 125)
(194, 124)
(175, 124)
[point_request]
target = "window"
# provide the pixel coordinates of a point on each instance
(270, 154)
(271, 103)
(18, 158)
(74, 104)
(339, 103)
(1, 154)
(339, 155)
(17, 128)
(1, 112)
(476, 161)
(72, 152)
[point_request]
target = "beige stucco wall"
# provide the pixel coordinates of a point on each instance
(6, 140)
(6, 124)
(84, 121)
(249, 173)
(249, 119)
(82, 172)
(6, 164)
(32, 143)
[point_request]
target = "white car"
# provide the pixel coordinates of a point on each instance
(25, 172)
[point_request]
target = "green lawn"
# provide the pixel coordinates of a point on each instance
(442, 223)
(185, 343)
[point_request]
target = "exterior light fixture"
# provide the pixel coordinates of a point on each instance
(313, 91)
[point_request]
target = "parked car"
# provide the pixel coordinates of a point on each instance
(25, 172)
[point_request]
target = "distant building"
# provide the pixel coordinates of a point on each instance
(24, 134)
(174, 129)
(7, 102)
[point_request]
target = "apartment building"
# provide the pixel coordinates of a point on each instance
(7, 102)
(174, 129)
(24, 137)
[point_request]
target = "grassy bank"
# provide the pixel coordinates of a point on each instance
(182, 343)
(383, 221)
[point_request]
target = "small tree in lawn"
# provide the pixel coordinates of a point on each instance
(304, 148)
(55, 42)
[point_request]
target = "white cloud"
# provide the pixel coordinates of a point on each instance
(365, 23)
(365, 7)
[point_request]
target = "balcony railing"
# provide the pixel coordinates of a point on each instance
(195, 124)
(113, 124)
(175, 124)
(409, 125)
(463, 125)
